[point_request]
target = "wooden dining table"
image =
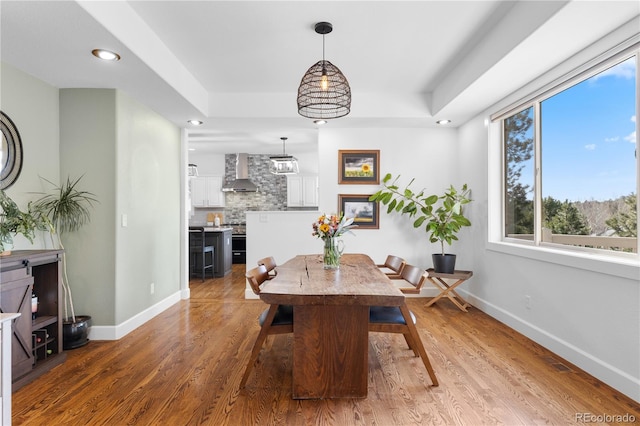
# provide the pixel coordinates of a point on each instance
(331, 321)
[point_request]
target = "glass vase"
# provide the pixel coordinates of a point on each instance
(332, 252)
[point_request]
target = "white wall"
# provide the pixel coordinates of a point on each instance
(280, 234)
(209, 163)
(428, 155)
(584, 308)
(307, 162)
(590, 318)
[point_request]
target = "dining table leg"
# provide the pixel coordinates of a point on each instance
(330, 351)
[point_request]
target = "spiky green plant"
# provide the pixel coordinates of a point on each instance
(66, 209)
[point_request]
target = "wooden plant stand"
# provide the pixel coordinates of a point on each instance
(448, 290)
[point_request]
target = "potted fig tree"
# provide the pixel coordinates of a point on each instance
(441, 216)
(67, 209)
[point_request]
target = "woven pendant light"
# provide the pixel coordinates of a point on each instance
(324, 92)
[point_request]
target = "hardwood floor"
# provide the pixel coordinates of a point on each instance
(184, 366)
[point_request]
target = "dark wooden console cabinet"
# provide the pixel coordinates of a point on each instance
(36, 343)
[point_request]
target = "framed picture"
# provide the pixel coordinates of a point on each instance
(365, 212)
(357, 166)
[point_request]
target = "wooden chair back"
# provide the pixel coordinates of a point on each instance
(395, 265)
(256, 277)
(270, 263)
(414, 276)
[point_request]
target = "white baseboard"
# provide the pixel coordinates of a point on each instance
(115, 332)
(609, 374)
(185, 294)
(249, 294)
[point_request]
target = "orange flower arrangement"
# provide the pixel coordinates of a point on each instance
(332, 226)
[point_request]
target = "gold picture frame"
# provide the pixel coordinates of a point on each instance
(359, 167)
(366, 213)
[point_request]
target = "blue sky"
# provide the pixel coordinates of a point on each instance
(589, 139)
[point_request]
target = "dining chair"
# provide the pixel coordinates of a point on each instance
(198, 250)
(393, 266)
(270, 264)
(414, 276)
(276, 319)
(395, 319)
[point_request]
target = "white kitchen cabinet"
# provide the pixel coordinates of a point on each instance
(302, 191)
(206, 191)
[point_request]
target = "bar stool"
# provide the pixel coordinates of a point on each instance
(199, 249)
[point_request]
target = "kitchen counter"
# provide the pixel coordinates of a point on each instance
(220, 239)
(233, 252)
(216, 229)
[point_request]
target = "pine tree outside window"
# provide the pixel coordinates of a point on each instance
(581, 138)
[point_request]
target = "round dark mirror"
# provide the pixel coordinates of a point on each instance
(11, 152)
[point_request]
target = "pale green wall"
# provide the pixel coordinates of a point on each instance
(87, 148)
(130, 158)
(148, 192)
(32, 105)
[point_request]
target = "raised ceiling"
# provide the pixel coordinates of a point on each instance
(237, 64)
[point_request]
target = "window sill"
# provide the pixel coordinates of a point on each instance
(623, 266)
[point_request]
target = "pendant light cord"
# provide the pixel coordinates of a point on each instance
(323, 50)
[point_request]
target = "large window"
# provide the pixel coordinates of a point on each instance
(571, 171)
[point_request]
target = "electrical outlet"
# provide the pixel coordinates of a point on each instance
(527, 302)
(152, 288)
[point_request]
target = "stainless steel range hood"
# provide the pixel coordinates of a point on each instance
(242, 182)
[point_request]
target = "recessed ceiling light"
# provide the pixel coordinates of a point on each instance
(445, 121)
(106, 55)
(195, 122)
(319, 122)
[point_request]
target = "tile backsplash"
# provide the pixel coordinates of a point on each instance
(271, 195)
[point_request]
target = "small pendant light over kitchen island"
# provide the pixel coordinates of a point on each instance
(283, 164)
